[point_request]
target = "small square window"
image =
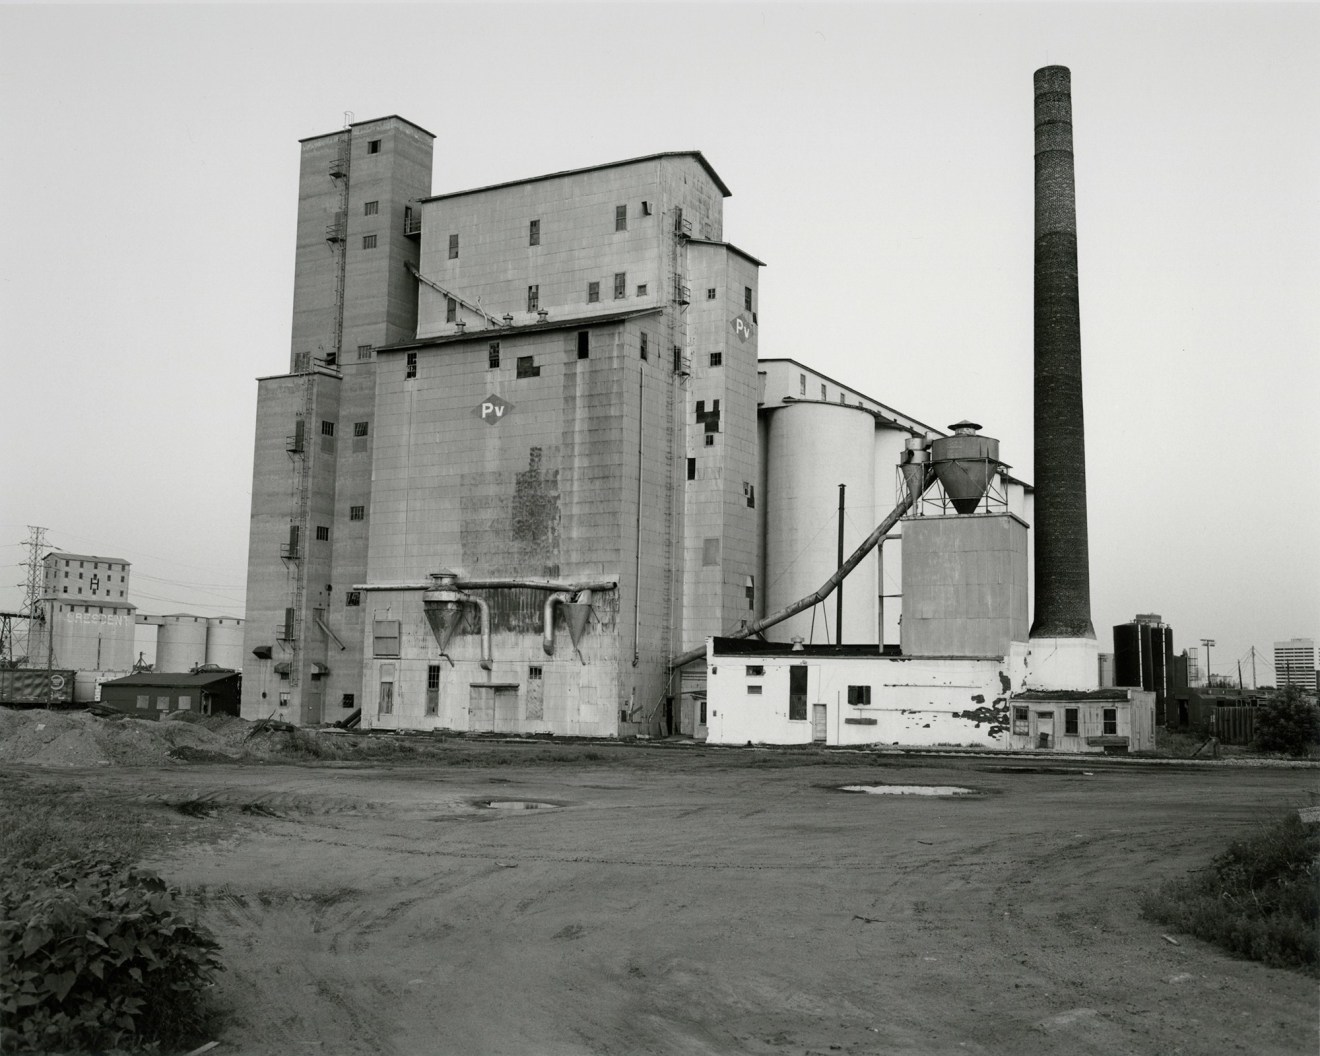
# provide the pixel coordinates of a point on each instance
(453, 247)
(322, 532)
(823, 396)
(620, 285)
(593, 292)
(620, 218)
(533, 298)
(527, 367)
(493, 355)
(347, 701)
(353, 598)
(534, 233)
(641, 290)
(747, 298)
(754, 691)
(584, 344)
(710, 439)
(451, 310)
(410, 370)
(373, 146)
(717, 359)
(327, 428)
(646, 208)
(755, 670)
(368, 241)
(643, 344)
(370, 208)
(710, 293)
(860, 695)
(535, 673)
(357, 513)
(364, 351)
(360, 428)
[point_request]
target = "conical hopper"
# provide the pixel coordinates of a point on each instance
(914, 476)
(444, 618)
(965, 464)
(576, 614)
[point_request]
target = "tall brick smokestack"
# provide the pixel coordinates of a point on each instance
(1063, 578)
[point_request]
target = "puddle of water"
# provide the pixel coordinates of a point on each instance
(910, 790)
(517, 804)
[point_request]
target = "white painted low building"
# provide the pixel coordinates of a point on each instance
(770, 693)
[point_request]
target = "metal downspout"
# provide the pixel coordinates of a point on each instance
(548, 634)
(484, 609)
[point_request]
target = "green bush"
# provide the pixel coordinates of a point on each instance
(1259, 899)
(96, 955)
(1287, 723)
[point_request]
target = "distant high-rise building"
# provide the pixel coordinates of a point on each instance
(1294, 663)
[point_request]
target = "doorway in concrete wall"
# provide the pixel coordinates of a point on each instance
(493, 707)
(797, 694)
(818, 723)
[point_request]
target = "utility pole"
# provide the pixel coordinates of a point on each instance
(1207, 642)
(1253, 667)
(838, 597)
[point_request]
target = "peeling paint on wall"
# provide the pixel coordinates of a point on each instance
(995, 717)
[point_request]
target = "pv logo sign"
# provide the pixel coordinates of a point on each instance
(742, 326)
(492, 410)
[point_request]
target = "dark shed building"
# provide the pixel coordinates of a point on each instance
(148, 696)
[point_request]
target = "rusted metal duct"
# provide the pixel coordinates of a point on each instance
(561, 597)
(965, 464)
(827, 588)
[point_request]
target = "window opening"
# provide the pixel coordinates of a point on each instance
(593, 292)
(533, 298)
(493, 355)
(370, 208)
(643, 344)
(368, 241)
(352, 598)
(534, 233)
(451, 310)
(322, 532)
(620, 218)
(527, 367)
(860, 695)
(373, 146)
(364, 351)
(583, 344)
(411, 366)
(453, 247)
(357, 513)
(641, 290)
(359, 428)
(747, 298)
(691, 469)
(327, 428)
(620, 285)
(710, 293)
(717, 359)
(1070, 721)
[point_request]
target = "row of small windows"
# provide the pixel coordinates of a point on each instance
(534, 226)
(65, 590)
(109, 566)
(526, 365)
(80, 575)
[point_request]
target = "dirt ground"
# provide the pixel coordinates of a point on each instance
(692, 900)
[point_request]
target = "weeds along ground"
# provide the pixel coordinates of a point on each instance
(1260, 899)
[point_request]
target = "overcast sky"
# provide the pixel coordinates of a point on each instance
(880, 158)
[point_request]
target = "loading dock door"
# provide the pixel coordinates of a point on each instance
(493, 706)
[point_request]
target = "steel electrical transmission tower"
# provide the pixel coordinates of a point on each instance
(32, 608)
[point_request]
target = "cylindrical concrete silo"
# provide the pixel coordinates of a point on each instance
(181, 642)
(224, 642)
(813, 448)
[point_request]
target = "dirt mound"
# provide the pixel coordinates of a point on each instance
(78, 738)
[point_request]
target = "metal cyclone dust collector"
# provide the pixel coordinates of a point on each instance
(1063, 579)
